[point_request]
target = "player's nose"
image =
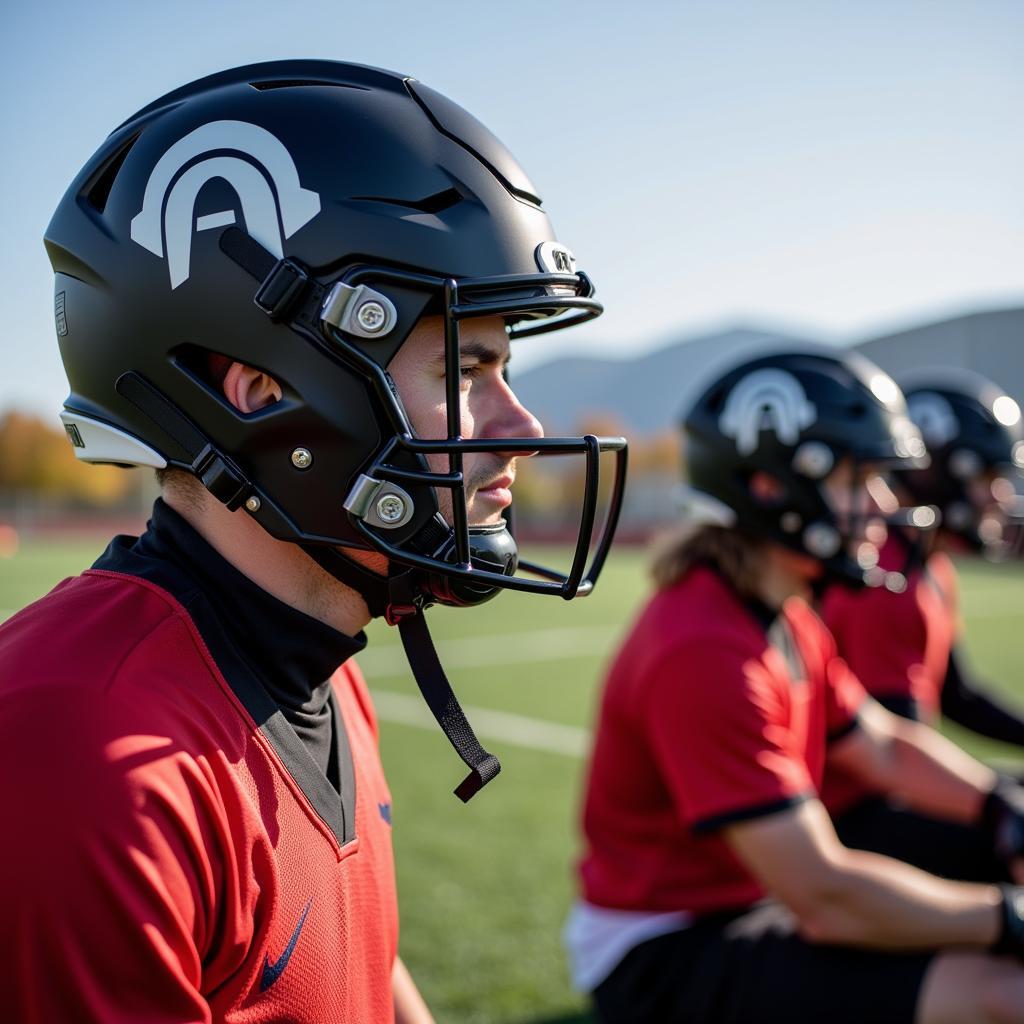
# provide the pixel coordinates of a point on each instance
(510, 418)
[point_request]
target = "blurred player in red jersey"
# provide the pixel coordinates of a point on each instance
(290, 288)
(903, 637)
(714, 888)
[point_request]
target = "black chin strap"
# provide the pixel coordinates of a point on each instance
(404, 610)
(397, 599)
(445, 707)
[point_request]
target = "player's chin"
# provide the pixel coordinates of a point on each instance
(480, 514)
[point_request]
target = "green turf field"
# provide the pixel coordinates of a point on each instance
(484, 887)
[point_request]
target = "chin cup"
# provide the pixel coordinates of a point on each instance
(491, 548)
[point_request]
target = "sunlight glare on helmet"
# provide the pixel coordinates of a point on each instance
(1006, 411)
(882, 494)
(884, 388)
(923, 517)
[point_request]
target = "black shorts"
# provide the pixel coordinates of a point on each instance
(943, 848)
(753, 968)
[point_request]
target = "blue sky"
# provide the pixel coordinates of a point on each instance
(829, 168)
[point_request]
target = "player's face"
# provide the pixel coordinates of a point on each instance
(990, 491)
(857, 494)
(994, 496)
(489, 408)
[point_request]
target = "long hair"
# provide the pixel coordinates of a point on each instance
(734, 554)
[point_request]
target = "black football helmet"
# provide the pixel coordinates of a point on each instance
(300, 217)
(975, 437)
(795, 415)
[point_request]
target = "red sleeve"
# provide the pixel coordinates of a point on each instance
(844, 693)
(943, 572)
(844, 697)
(719, 725)
(103, 910)
(879, 634)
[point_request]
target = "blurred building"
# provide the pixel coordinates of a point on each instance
(645, 397)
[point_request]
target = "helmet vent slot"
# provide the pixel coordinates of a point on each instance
(298, 83)
(97, 191)
(443, 200)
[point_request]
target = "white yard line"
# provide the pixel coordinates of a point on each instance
(502, 726)
(532, 733)
(387, 661)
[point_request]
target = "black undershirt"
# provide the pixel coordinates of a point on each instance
(292, 654)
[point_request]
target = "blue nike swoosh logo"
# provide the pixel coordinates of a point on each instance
(273, 971)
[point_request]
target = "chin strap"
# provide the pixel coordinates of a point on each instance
(397, 599)
(405, 611)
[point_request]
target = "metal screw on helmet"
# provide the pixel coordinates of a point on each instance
(372, 317)
(302, 458)
(380, 504)
(252, 504)
(923, 517)
(390, 508)
(361, 311)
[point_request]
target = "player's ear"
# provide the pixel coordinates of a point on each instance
(249, 389)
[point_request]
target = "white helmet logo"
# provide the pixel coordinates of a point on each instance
(934, 417)
(766, 399)
(272, 214)
(555, 258)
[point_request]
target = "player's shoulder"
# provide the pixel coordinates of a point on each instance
(804, 619)
(810, 629)
(699, 609)
(696, 628)
(106, 678)
(97, 632)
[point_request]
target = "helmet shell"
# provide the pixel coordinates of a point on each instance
(795, 416)
(972, 427)
(333, 165)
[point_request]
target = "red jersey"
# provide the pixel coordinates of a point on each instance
(707, 719)
(898, 644)
(167, 856)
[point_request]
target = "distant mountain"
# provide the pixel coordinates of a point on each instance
(648, 394)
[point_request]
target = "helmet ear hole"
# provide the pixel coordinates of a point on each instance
(204, 364)
(210, 370)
